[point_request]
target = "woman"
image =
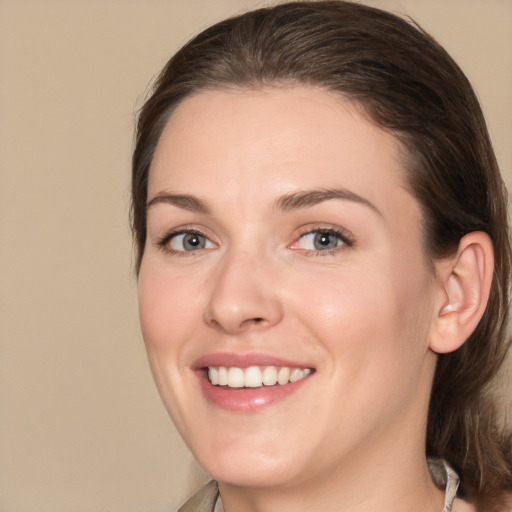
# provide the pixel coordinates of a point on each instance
(324, 265)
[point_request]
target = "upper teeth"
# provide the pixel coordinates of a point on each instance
(254, 376)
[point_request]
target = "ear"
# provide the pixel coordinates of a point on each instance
(465, 280)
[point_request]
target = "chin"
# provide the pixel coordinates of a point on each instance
(250, 475)
(250, 468)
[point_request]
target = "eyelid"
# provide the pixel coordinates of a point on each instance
(162, 242)
(346, 238)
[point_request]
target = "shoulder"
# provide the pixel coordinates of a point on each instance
(203, 500)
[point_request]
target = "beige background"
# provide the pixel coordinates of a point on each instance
(81, 425)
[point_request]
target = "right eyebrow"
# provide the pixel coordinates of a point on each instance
(308, 198)
(184, 201)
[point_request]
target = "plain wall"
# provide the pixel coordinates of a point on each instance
(81, 424)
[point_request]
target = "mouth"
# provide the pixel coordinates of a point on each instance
(255, 376)
(248, 383)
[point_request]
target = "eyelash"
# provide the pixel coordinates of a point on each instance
(164, 242)
(345, 238)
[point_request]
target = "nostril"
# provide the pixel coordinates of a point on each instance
(253, 321)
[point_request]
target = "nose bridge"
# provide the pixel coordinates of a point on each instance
(242, 293)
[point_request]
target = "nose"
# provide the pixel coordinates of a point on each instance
(242, 295)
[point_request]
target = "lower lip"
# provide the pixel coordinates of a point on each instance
(247, 399)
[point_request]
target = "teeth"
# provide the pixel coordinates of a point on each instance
(295, 375)
(255, 376)
(252, 377)
(269, 376)
(213, 375)
(283, 377)
(223, 376)
(236, 378)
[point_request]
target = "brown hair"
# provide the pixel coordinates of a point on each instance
(407, 84)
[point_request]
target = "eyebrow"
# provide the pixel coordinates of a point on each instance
(285, 203)
(309, 198)
(184, 201)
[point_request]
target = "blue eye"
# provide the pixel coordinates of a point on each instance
(187, 242)
(322, 240)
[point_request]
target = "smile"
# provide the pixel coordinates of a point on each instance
(255, 376)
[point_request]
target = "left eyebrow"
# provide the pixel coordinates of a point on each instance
(184, 201)
(305, 199)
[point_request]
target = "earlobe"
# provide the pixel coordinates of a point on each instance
(465, 279)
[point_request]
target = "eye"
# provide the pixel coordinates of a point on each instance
(322, 240)
(185, 241)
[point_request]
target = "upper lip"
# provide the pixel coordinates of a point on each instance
(244, 360)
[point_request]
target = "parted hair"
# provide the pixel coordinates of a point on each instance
(408, 85)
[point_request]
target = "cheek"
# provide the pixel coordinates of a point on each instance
(168, 319)
(154, 305)
(168, 306)
(345, 303)
(375, 316)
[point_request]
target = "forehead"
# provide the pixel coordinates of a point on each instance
(234, 143)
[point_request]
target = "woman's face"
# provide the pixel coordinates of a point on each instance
(283, 244)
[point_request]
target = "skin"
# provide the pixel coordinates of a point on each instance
(361, 315)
